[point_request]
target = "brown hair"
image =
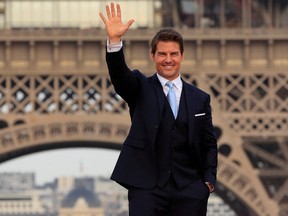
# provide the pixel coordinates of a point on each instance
(166, 35)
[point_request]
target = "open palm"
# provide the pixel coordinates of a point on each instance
(113, 23)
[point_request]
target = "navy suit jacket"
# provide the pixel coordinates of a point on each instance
(137, 162)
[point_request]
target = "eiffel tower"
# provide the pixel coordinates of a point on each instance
(55, 91)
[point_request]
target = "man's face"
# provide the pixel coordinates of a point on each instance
(167, 59)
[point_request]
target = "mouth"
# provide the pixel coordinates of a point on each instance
(168, 67)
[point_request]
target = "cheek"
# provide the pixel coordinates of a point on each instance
(157, 61)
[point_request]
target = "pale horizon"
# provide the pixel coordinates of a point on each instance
(76, 162)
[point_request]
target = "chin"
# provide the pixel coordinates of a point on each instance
(169, 72)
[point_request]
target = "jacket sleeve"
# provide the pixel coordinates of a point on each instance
(210, 151)
(124, 80)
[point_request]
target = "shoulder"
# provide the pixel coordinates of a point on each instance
(195, 89)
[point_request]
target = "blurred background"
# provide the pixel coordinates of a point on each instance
(62, 124)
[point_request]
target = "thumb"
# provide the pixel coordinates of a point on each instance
(129, 23)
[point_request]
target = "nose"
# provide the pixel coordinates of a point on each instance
(168, 58)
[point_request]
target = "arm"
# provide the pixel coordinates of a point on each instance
(210, 154)
(123, 80)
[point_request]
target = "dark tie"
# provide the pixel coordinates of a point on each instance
(171, 96)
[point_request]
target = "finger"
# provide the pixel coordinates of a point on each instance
(118, 11)
(113, 10)
(129, 23)
(108, 12)
(103, 18)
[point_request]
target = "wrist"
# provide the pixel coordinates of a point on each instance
(210, 186)
(114, 40)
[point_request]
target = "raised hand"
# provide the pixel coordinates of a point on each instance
(114, 26)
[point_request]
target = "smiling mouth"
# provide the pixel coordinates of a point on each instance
(168, 66)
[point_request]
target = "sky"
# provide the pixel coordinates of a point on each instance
(76, 162)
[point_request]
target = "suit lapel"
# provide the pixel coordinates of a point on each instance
(161, 97)
(190, 108)
(159, 92)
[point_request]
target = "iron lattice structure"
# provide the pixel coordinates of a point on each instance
(55, 93)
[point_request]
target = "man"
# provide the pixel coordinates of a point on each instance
(168, 161)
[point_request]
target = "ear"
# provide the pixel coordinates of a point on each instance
(152, 56)
(182, 58)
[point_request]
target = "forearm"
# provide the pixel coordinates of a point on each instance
(123, 79)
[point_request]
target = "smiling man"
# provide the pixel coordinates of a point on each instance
(167, 57)
(168, 161)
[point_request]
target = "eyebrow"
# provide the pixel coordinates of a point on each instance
(174, 52)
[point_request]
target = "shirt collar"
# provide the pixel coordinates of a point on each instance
(177, 82)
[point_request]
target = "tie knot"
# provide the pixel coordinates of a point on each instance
(169, 84)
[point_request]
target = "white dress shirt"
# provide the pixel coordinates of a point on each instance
(114, 47)
(177, 83)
